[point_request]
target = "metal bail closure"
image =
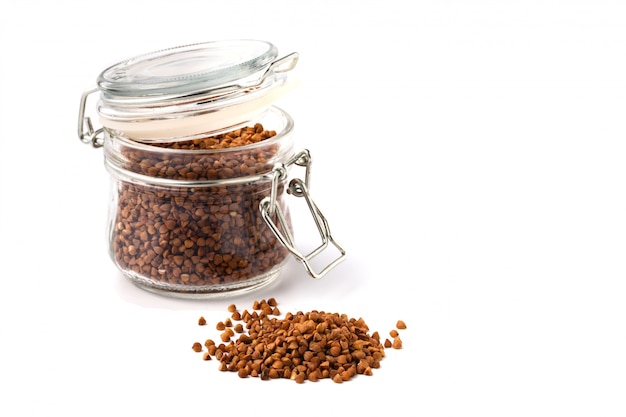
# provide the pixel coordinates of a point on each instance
(298, 188)
(86, 132)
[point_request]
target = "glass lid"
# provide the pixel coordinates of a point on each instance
(190, 69)
(193, 89)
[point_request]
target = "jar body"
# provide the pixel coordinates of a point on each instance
(184, 220)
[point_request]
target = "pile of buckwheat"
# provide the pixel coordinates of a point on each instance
(301, 346)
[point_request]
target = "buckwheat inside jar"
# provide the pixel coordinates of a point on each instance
(185, 215)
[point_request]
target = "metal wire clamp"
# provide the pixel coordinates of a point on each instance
(86, 132)
(297, 187)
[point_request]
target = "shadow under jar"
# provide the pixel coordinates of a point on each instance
(199, 159)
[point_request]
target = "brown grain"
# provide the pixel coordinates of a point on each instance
(397, 343)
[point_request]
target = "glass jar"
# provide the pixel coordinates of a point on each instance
(200, 160)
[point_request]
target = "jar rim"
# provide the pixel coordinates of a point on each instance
(115, 161)
(272, 111)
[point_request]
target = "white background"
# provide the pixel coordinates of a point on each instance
(468, 154)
